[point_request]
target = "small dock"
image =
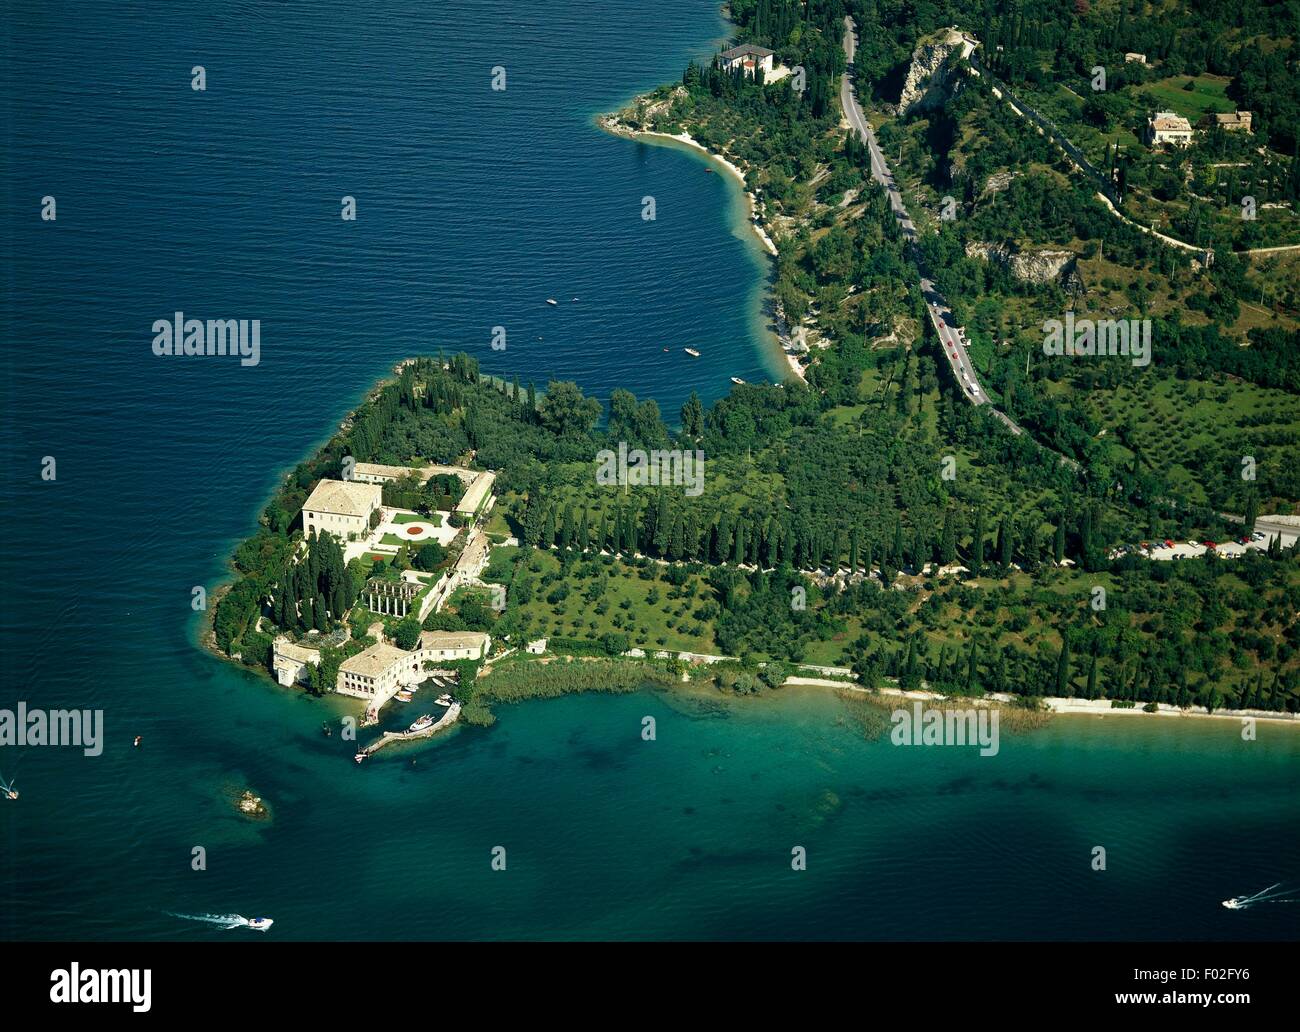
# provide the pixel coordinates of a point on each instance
(388, 737)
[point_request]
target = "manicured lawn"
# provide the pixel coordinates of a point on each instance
(415, 517)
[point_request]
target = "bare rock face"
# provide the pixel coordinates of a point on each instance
(997, 182)
(928, 78)
(1044, 266)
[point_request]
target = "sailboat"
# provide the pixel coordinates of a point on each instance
(7, 788)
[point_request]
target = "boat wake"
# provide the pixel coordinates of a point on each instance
(224, 921)
(1273, 894)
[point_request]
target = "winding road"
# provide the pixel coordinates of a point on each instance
(952, 338)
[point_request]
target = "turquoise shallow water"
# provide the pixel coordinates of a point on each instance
(474, 207)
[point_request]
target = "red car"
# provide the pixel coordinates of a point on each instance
(1209, 544)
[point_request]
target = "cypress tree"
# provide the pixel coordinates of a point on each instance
(977, 545)
(1063, 669)
(948, 542)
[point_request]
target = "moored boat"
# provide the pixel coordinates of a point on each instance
(444, 700)
(403, 696)
(738, 381)
(423, 724)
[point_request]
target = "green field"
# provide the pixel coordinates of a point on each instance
(1209, 94)
(600, 595)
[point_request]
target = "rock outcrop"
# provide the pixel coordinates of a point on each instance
(1044, 266)
(931, 71)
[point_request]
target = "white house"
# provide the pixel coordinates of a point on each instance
(537, 647)
(290, 662)
(377, 673)
(1168, 127)
(1135, 58)
(444, 646)
(747, 57)
(342, 507)
(380, 671)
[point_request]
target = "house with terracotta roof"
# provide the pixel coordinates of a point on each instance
(1168, 127)
(747, 57)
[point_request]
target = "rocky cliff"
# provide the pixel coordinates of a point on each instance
(1043, 266)
(928, 78)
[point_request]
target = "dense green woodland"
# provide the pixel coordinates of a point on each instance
(857, 497)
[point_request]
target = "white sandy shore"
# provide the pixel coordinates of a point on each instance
(1068, 707)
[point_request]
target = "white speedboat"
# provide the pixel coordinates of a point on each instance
(551, 301)
(260, 924)
(692, 352)
(738, 381)
(1232, 904)
(423, 724)
(443, 700)
(403, 696)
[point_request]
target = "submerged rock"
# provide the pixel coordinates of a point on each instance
(252, 805)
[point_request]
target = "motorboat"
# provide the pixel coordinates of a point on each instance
(692, 352)
(738, 381)
(260, 924)
(423, 724)
(403, 696)
(551, 301)
(444, 700)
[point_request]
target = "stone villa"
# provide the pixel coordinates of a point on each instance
(1168, 127)
(380, 671)
(342, 507)
(747, 57)
(1233, 122)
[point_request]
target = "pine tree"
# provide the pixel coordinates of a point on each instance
(1058, 541)
(1091, 692)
